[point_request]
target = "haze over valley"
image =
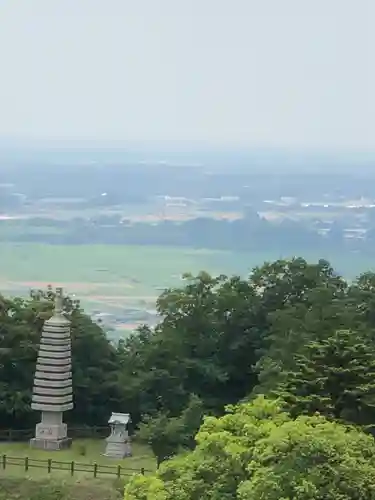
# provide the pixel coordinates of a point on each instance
(116, 228)
(187, 250)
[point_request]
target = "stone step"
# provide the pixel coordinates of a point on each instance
(59, 384)
(53, 361)
(46, 352)
(45, 368)
(56, 327)
(56, 335)
(52, 391)
(61, 375)
(52, 341)
(51, 407)
(58, 400)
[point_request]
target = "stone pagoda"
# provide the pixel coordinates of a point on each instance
(52, 392)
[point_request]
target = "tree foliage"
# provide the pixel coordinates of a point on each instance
(335, 377)
(221, 338)
(295, 332)
(205, 344)
(258, 451)
(169, 435)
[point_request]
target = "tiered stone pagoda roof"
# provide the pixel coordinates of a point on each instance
(52, 390)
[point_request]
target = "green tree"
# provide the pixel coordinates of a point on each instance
(97, 389)
(258, 451)
(287, 282)
(311, 458)
(334, 376)
(19, 339)
(361, 295)
(296, 300)
(322, 311)
(169, 435)
(218, 465)
(205, 344)
(214, 330)
(151, 374)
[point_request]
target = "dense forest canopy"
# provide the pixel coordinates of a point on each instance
(293, 332)
(219, 338)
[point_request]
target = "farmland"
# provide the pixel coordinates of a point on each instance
(116, 279)
(125, 280)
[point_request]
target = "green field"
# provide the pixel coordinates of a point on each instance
(111, 278)
(152, 266)
(105, 274)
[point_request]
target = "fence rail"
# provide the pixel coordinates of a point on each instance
(50, 465)
(12, 435)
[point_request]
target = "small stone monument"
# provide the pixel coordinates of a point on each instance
(52, 392)
(118, 443)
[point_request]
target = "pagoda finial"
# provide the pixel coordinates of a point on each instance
(59, 301)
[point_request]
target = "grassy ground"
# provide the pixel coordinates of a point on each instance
(47, 489)
(61, 461)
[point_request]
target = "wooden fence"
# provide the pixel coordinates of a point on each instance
(50, 465)
(12, 435)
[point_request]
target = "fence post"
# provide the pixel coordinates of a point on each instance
(72, 469)
(26, 464)
(4, 460)
(95, 469)
(119, 471)
(10, 435)
(49, 465)
(143, 471)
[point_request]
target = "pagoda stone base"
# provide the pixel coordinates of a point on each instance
(50, 436)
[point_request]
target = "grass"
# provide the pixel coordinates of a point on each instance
(37, 484)
(42, 489)
(142, 458)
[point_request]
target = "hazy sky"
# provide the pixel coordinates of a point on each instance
(255, 72)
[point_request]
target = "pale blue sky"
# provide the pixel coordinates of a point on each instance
(251, 72)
